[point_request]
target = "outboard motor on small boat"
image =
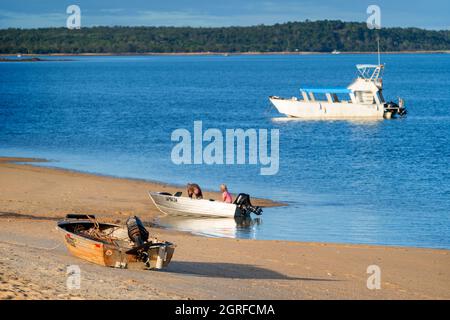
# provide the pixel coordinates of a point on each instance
(393, 108)
(243, 202)
(136, 231)
(402, 111)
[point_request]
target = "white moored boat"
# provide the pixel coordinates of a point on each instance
(361, 99)
(177, 205)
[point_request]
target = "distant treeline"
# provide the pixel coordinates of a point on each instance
(314, 36)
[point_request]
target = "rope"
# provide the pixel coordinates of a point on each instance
(95, 233)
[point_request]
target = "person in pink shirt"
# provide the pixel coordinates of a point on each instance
(226, 196)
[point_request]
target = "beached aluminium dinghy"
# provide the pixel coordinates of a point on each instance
(112, 245)
(177, 205)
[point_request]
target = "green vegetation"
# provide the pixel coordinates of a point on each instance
(317, 36)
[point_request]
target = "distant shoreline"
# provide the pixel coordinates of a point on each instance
(207, 53)
(30, 58)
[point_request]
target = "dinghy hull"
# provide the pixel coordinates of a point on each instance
(184, 206)
(111, 254)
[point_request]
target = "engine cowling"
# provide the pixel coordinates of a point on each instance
(244, 204)
(136, 231)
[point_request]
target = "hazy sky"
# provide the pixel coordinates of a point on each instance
(430, 14)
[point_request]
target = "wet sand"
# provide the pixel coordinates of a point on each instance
(33, 259)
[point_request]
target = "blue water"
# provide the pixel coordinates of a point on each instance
(378, 182)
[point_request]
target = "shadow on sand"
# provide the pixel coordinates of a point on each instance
(231, 271)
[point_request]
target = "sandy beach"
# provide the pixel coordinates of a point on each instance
(33, 259)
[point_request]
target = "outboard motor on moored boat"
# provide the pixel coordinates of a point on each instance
(401, 107)
(244, 204)
(136, 231)
(393, 108)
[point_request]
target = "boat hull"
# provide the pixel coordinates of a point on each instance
(111, 255)
(184, 206)
(324, 110)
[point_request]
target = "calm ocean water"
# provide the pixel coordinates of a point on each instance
(382, 182)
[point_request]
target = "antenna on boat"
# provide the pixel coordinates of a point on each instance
(379, 56)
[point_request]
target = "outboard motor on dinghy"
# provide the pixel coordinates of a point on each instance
(136, 231)
(243, 202)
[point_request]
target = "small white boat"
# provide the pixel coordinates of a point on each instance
(361, 99)
(177, 205)
(215, 227)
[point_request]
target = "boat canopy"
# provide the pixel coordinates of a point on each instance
(366, 66)
(370, 71)
(326, 90)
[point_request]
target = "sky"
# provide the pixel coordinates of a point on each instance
(429, 14)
